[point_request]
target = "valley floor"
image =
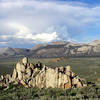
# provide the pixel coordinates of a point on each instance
(88, 68)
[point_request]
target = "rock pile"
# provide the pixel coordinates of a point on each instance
(39, 75)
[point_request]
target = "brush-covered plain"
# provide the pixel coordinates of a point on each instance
(88, 68)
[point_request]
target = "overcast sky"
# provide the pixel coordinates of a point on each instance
(24, 23)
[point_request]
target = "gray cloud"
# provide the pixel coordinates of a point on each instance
(35, 21)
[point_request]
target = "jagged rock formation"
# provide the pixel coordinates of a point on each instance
(39, 75)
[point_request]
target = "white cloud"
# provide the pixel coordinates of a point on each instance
(3, 43)
(23, 32)
(45, 37)
(42, 21)
(42, 37)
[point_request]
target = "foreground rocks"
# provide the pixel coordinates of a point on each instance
(39, 75)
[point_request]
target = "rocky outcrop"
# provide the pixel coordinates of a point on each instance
(39, 75)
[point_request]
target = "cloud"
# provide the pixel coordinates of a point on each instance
(3, 43)
(21, 29)
(45, 37)
(40, 21)
(22, 32)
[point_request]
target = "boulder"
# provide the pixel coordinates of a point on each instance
(62, 80)
(51, 78)
(25, 60)
(61, 69)
(20, 75)
(1, 77)
(20, 67)
(31, 66)
(68, 71)
(14, 75)
(40, 80)
(28, 72)
(77, 83)
(8, 79)
(68, 84)
(23, 83)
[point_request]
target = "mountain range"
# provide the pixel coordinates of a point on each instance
(55, 49)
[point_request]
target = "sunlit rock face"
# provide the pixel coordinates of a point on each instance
(55, 49)
(39, 75)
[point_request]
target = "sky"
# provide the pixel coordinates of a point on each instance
(24, 23)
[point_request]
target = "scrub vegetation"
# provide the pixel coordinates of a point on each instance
(88, 68)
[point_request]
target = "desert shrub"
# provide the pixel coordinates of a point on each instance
(17, 92)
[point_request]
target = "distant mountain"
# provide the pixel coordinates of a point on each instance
(12, 52)
(55, 49)
(95, 43)
(66, 49)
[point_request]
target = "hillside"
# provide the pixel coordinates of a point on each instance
(55, 49)
(12, 52)
(66, 49)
